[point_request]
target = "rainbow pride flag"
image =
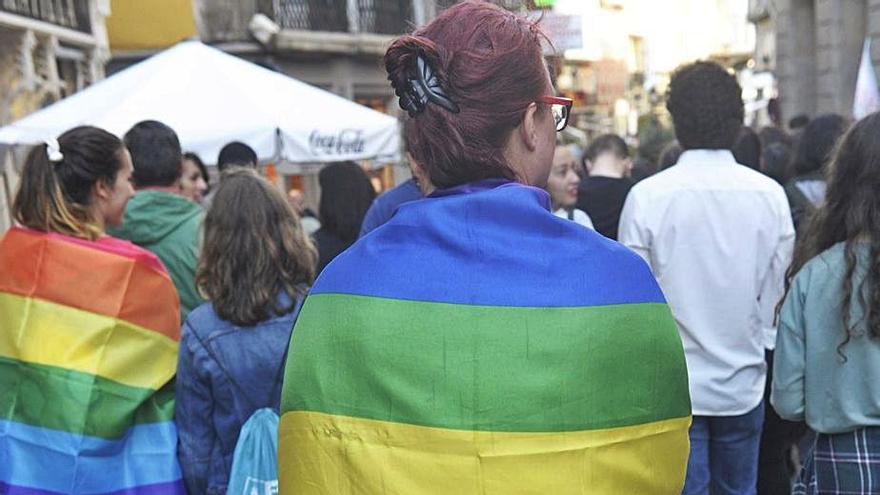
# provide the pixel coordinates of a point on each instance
(478, 344)
(88, 349)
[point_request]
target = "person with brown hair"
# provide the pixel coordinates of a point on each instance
(89, 330)
(255, 269)
(827, 364)
(194, 180)
(78, 197)
(476, 343)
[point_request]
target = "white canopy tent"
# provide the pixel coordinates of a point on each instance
(210, 98)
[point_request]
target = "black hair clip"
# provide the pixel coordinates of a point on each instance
(423, 87)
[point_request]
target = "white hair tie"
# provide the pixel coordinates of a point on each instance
(53, 150)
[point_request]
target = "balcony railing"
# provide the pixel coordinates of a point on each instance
(385, 16)
(311, 15)
(369, 16)
(73, 14)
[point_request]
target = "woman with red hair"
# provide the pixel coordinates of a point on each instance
(476, 343)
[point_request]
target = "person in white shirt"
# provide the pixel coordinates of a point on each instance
(563, 187)
(718, 237)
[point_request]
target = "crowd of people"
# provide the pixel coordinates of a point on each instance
(522, 316)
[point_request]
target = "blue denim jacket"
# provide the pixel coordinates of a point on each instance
(224, 373)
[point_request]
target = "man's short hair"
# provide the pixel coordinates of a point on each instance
(706, 106)
(236, 154)
(155, 154)
(607, 143)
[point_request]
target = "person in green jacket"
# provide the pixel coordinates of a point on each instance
(159, 218)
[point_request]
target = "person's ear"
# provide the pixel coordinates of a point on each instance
(101, 190)
(528, 129)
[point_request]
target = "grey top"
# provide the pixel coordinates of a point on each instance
(810, 378)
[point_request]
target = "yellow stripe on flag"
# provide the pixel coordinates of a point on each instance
(327, 454)
(42, 332)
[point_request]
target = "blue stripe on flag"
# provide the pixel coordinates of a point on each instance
(56, 461)
(489, 247)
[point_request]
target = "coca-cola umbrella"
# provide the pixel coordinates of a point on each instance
(211, 98)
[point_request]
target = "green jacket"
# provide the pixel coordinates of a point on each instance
(169, 225)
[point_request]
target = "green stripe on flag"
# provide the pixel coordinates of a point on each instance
(486, 368)
(75, 402)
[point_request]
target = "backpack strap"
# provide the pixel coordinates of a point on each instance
(297, 305)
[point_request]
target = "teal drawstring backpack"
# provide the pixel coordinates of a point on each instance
(255, 460)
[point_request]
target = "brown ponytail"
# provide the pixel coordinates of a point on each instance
(56, 196)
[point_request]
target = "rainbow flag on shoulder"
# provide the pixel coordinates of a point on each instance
(477, 344)
(88, 349)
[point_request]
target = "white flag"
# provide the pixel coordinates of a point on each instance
(867, 99)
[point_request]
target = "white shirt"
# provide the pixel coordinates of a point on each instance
(578, 216)
(718, 236)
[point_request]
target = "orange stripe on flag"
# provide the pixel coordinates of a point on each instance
(79, 276)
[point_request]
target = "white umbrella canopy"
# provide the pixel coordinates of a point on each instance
(210, 98)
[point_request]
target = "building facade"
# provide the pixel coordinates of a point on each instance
(630, 48)
(814, 49)
(49, 49)
(336, 45)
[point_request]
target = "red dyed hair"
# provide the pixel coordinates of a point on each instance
(489, 62)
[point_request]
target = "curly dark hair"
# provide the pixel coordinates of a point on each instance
(706, 106)
(850, 214)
